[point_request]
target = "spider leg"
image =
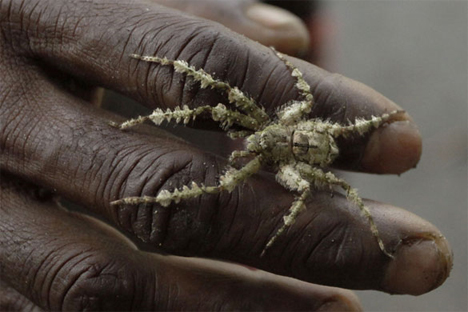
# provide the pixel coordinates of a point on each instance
(293, 112)
(234, 134)
(322, 179)
(219, 113)
(235, 95)
(301, 84)
(228, 182)
(362, 126)
(239, 154)
(291, 179)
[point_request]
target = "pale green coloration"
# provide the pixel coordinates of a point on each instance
(298, 148)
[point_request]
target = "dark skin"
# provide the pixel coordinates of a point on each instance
(54, 138)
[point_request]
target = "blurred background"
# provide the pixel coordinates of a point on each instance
(415, 52)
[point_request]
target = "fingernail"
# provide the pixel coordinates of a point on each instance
(420, 265)
(394, 148)
(273, 17)
(289, 34)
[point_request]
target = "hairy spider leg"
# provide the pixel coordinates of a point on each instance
(220, 113)
(301, 84)
(228, 182)
(322, 179)
(158, 116)
(164, 198)
(235, 95)
(361, 125)
(239, 154)
(294, 112)
(237, 134)
(290, 178)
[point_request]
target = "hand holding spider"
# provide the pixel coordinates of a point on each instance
(53, 138)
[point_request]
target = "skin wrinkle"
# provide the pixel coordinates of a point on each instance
(113, 188)
(96, 175)
(232, 216)
(206, 45)
(42, 281)
(295, 246)
(144, 183)
(30, 99)
(213, 215)
(245, 70)
(186, 84)
(146, 174)
(102, 272)
(264, 87)
(61, 298)
(260, 242)
(10, 139)
(57, 26)
(313, 250)
(160, 183)
(50, 271)
(341, 242)
(123, 153)
(75, 283)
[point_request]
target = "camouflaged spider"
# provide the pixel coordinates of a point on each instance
(297, 147)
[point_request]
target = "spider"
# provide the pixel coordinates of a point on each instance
(296, 147)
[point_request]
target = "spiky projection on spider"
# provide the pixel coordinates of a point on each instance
(296, 147)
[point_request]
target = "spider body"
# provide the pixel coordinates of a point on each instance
(298, 148)
(283, 144)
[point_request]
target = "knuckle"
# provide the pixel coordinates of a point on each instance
(197, 46)
(92, 282)
(15, 22)
(172, 227)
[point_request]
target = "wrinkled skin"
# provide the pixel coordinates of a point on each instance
(55, 142)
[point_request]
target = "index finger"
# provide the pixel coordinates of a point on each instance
(94, 41)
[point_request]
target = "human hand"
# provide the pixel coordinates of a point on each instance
(52, 137)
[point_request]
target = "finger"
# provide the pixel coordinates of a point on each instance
(101, 36)
(98, 164)
(267, 24)
(65, 261)
(11, 300)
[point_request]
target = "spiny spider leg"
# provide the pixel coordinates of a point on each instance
(362, 126)
(239, 154)
(164, 198)
(235, 95)
(301, 84)
(321, 179)
(227, 182)
(220, 113)
(293, 112)
(237, 134)
(291, 179)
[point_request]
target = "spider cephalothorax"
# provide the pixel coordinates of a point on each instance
(296, 147)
